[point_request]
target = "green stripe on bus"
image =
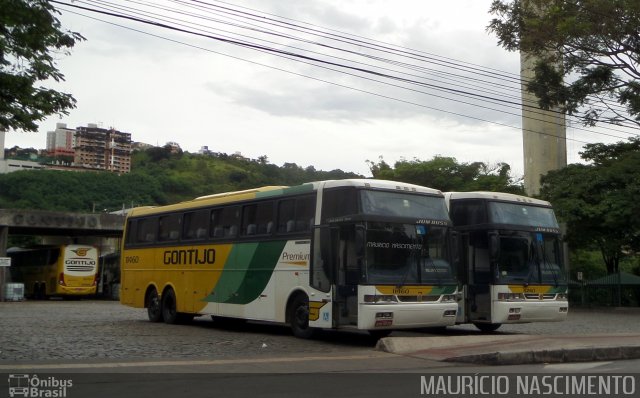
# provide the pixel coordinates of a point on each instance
(285, 191)
(447, 289)
(259, 272)
(247, 272)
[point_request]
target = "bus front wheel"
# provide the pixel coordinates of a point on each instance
(487, 327)
(299, 317)
(154, 309)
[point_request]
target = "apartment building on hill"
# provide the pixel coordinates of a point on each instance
(104, 149)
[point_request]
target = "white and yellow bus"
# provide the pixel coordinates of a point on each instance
(352, 254)
(63, 271)
(511, 259)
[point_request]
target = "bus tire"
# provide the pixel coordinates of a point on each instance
(299, 317)
(154, 309)
(379, 334)
(170, 312)
(487, 327)
(43, 292)
(169, 307)
(35, 294)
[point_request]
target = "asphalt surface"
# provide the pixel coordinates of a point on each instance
(59, 330)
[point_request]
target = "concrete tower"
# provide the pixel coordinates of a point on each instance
(544, 134)
(2, 132)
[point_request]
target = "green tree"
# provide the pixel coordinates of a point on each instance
(595, 43)
(31, 38)
(446, 174)
(599, 201)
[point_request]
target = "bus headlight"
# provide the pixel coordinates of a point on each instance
(374, 298)
(561, 297)
(511, 296)
(448, 298)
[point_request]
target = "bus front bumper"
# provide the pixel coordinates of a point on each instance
(406, 316)
(76, 290)
(528, 311)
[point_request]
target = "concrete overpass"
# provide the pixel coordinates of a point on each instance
(51, 223)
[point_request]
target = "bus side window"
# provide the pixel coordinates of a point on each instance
(338, 203)
(257, 219)
(296, 215)
(224, 222)
(286, 214)
(305, 212)
(169, 228)
(131, 232)
(196, 224)
(146, 230)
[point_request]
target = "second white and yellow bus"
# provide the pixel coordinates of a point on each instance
(55, 270)
(511, 259)
(353, 254)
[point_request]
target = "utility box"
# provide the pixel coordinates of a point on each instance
(14, 292)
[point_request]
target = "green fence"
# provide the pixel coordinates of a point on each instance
(615, 290)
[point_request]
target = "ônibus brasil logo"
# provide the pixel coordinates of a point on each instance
(32, 386)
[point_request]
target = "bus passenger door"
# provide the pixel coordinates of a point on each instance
(350, 252)
(322, 276)
(480, 277)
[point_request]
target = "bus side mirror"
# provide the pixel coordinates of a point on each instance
(455, 247)
(329, 241)
(360, 243)
(494, 246)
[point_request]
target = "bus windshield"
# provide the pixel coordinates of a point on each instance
(403, 254)
(519, 214)
(400, 204)
(530, 258)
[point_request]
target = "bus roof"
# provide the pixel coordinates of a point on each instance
(496, 196)
(381, 184)
(272, 191)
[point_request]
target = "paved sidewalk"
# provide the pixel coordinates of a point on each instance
(516, 349)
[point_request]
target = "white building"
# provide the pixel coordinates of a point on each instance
(61, 142)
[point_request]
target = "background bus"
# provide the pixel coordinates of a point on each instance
(65, 271)
(512, 265)
(359, 254)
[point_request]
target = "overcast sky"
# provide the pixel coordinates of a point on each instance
(197, 91)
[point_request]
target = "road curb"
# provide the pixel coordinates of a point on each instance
(550, 356)
(511, 350)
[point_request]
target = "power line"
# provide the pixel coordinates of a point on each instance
(466, 94)
(312, 60)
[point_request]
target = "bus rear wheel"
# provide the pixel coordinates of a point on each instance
(154, 309)
(42, 291)
(487, 327)
(170, 312)
(299, 317)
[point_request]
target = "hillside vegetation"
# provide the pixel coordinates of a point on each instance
(160, 177)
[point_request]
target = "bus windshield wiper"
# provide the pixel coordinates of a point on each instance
(533, 259)
(548, 265)
(414, 261)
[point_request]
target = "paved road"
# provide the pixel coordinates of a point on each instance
(95, 330)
